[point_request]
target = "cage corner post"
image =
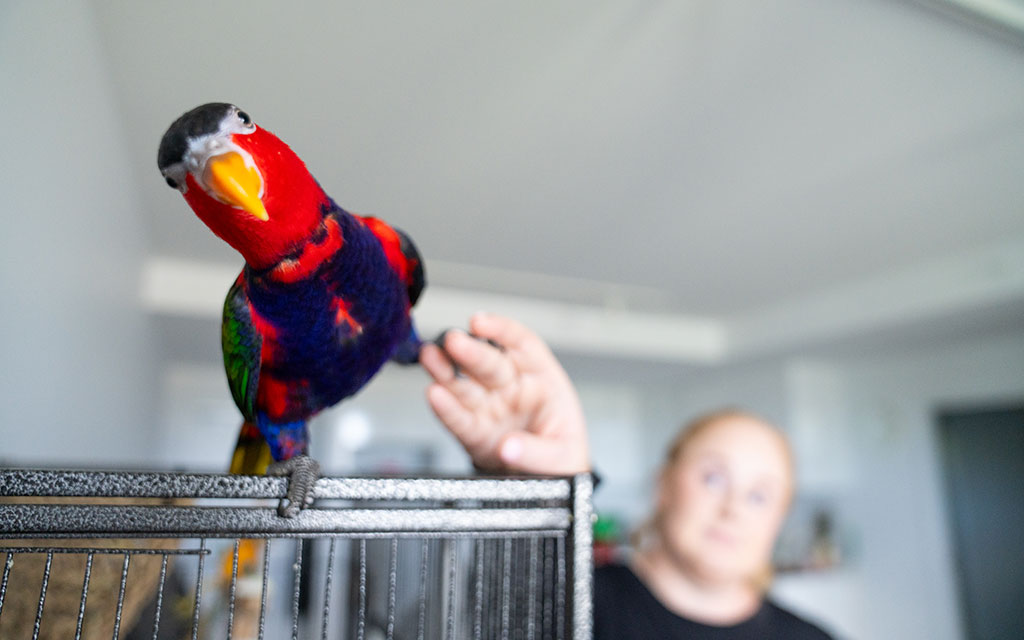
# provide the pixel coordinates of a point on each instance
(582, 557)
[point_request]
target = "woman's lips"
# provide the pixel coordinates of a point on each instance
(721, 536)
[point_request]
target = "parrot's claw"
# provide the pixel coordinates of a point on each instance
(302, 472)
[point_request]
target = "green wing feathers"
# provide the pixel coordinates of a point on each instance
(241, 344)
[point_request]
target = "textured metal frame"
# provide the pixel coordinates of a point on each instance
(201, 506)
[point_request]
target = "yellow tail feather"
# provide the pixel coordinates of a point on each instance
(252, 453)
(251, 457)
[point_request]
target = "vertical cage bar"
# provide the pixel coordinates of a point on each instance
(232, 589)
(296, 585)
(263, 588)
(392, 587)
(506, 588)
(199, 589)
(3, 582)
(531, 591)
(478, 589)
(488, 631)
(560, 598)
(488, 570)
(42, 595)
(549, 588)
(120, 595)
(361, 626)
(327, 589)
(452, 556)
(422, 619)
(519, 604)
(159, 598)
(85, 593)
(496, 583)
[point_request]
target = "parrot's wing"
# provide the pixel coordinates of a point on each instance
(402, 254)
(241, 344)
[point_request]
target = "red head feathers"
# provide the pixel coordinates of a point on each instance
(242, 181)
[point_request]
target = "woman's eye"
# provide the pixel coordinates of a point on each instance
(757, 498)
(714, 479)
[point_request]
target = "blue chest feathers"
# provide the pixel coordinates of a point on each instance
(329, 333)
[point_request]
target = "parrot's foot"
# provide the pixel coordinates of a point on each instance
(408, 351)
(302, 472)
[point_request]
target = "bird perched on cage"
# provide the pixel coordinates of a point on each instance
(322, 302)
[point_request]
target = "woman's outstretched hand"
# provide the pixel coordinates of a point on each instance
(513, 406)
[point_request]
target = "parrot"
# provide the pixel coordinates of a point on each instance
(322, 302)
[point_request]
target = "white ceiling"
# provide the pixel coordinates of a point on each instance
(767, 167)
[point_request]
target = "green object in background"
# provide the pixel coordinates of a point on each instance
(606, 528)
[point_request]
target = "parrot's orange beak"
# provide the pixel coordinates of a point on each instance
(236, 183)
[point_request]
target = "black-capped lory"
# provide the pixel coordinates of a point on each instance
(322, 302)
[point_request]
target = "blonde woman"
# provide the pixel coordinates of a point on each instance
(701, 564)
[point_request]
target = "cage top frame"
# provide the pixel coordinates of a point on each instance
(168, 485)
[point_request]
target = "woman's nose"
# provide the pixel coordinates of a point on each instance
(727, 504)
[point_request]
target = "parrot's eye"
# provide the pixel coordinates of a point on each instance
(244, 117)
(171, 183)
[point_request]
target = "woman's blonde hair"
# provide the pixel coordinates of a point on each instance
(690, 431)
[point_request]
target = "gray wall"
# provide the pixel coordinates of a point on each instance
(77, 381)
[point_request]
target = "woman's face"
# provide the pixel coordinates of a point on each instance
(724, 499)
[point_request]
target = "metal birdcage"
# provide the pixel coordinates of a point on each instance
(127, 556)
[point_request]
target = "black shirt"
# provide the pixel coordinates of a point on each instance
(624, 609)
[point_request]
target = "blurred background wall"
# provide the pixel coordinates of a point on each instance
(810, 209)
(78, 349)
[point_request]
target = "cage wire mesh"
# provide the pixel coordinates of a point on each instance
(159, 556)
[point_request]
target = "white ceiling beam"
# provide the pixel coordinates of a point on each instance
(173, 286)
(976, 279)
(585, 329)
(182, 287)
(917, 294)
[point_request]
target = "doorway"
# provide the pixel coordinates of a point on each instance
(983, 467)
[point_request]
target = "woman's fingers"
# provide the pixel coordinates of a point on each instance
(437, 364)
(507, 332)
(452, 413)
(479, 360)
(523, 346)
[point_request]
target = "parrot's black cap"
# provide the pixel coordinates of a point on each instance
(202, 120)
